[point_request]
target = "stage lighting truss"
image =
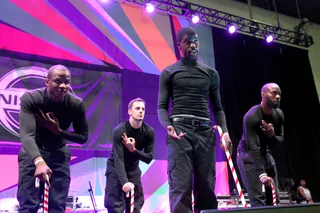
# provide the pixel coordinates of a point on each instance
(221, 19)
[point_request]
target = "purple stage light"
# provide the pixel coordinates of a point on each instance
(149, 8)
(195, 19)
(232, 29)
(269, 38)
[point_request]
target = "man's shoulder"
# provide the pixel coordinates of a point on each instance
(35, 95)
(211, 71)
(73, 98)
(148, 128)
(173, 67)
(120, 128)
(252, 112)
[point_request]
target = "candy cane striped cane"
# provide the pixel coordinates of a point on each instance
(274, 194)
(234, 174)
(131, 195)
(192, 197)
(45, 194)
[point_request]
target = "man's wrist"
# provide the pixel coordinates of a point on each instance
(38, 160)
(262, 176)
(58, 131)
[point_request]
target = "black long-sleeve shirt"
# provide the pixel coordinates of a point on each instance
(69, 111)
(190, 85)
(254, 141)
(121, 158)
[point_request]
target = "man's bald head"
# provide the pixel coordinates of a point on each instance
(271, 95)
(55, 68)
(267, 87)
(58, 82)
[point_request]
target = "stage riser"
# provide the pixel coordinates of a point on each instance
(313, 208)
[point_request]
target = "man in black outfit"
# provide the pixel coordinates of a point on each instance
(262, 131)
(45, 116)
(190, 140)
(123, 172)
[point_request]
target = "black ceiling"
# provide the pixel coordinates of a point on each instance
(308, 8)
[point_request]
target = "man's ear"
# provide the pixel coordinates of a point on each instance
(47, 82)
(130, 112)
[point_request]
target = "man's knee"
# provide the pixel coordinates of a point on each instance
(112, 205)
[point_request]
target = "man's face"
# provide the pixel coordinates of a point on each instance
(137, 110)
(189, 46)
(58, 84)
(272, 96)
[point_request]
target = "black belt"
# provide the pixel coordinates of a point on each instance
(192, 121)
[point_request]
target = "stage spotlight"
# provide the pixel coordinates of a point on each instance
(104, 1)
(195, 19)
(149, 8)
(269, 38)
(232, 29)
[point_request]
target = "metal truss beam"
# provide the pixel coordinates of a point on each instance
(221, 19)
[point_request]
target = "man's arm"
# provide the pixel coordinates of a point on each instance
(253, 143)
(118, 152)
(279, 136)
(147, 155)
(80, 126)
(163, 99)
(28, 127)
(219, 115)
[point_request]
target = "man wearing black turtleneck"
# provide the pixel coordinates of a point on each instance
(45, 116)
(190, 140)
(123, 172)
(262, 130)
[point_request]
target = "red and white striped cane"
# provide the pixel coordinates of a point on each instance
(45, 194)
(233, 171)
(192, 197)
(131, 195)
(274, 194)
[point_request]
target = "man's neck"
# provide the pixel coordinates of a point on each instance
(134, 123)
(189, 61)
(265, 108)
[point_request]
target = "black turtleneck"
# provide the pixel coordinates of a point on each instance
(69, 111)
(121, 158)
(254, 141)
(190, 85)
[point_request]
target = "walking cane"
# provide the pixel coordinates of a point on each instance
(131, 195)
(45, 194)
(234, 174)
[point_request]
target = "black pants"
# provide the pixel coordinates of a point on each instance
(251, 181)
(28, 196)
(193, 154)
(115, 199)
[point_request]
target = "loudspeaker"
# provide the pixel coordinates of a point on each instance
(306, 208)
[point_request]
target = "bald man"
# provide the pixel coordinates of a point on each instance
(45, 116)
(262, 129)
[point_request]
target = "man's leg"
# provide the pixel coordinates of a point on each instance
(250, 179)
(135, 178)
(114, 199)
(180, 167)
(28, 195)
(204, 165)
(60, 179)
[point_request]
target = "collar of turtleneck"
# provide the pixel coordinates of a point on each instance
(187, 61)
